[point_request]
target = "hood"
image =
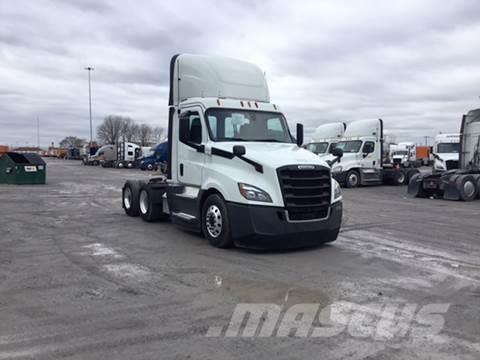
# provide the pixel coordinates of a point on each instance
(274, 155)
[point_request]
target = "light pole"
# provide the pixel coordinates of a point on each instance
(90, 69)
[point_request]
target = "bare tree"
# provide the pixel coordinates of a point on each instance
(110, 129)
(145, 135)
(158, 134)
(71, 142)
(130, 130)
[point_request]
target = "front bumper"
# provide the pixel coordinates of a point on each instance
(266, 227)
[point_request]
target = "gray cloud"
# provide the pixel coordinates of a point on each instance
(414, 64)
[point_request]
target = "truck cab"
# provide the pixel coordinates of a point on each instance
(403, 154)
(325, 139)
(154, 157)
(363, 157)
(104, 154)
(446, 152)
(454, 184)
(236, 173)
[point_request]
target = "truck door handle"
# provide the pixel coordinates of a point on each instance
(181, 169)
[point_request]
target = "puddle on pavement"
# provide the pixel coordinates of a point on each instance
(272, 292)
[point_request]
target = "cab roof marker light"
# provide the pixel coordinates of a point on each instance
(249, 105)
(218, 102)
(256, 105)
(241, 102)
(275, 106)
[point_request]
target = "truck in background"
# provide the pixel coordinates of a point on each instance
(155, 158)
(236, 174)
(424, 155)
(454, 184)
(403, 154)
(105, 153)
(446, 152)
(325, 138)
(363, 161)
(4, 149)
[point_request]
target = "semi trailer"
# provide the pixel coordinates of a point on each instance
(455, 184)
(236, 174)
(446, 152)
(364, 157)
(325, 138)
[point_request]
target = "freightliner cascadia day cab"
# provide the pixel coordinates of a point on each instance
(446, 152)
(363, 157)
(325, 138)
(456, 184)
(235, 172)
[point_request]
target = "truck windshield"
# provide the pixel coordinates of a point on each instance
(247, 125)
(400, 152)
(351, 146)
(448, 148)
(317, 148)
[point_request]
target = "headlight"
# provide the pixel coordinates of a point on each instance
(337, 191)
(251, 192)
(337, 168)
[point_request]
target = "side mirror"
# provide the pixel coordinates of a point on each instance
(365, 154)
(299, 134)
(337, 152)
(239, 150)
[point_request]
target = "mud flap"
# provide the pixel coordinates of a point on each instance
(451, 191)
(415, 186)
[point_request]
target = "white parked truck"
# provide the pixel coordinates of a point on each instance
(236, 173)
(325, 139)
(446, 152)
(455, 184)
(403, 154)
(363, 157)
(104, 154)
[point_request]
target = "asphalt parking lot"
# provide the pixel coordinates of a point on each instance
(79, 279)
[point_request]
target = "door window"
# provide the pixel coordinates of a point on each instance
(190, 128)
(368, 147)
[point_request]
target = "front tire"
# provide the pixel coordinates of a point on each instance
(399, 178)
(352, 179)
(215, 222)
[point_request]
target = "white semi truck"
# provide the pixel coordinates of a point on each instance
(363, 158)
(325, 138)
(446, 152)
(236, 173)
(455, 184)
(124, 155)
(403, 154)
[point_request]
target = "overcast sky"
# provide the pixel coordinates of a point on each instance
(413, 63)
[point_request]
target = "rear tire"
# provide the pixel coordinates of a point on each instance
(467, 187)
(352, 180)
(215, 222)
(399, 178)
(149, 210)
(130, 195)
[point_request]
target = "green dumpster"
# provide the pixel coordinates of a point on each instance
(22, 169)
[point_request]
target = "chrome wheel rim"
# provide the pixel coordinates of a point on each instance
(143, 202)
(353, 179)
(127, 198)
(214, 221)
(401, 179)
(469, 188)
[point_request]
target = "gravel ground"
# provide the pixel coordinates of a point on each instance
(79, 279)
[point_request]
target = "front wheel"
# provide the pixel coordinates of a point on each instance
(399, 178)
(215, 222)
(352, 179)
